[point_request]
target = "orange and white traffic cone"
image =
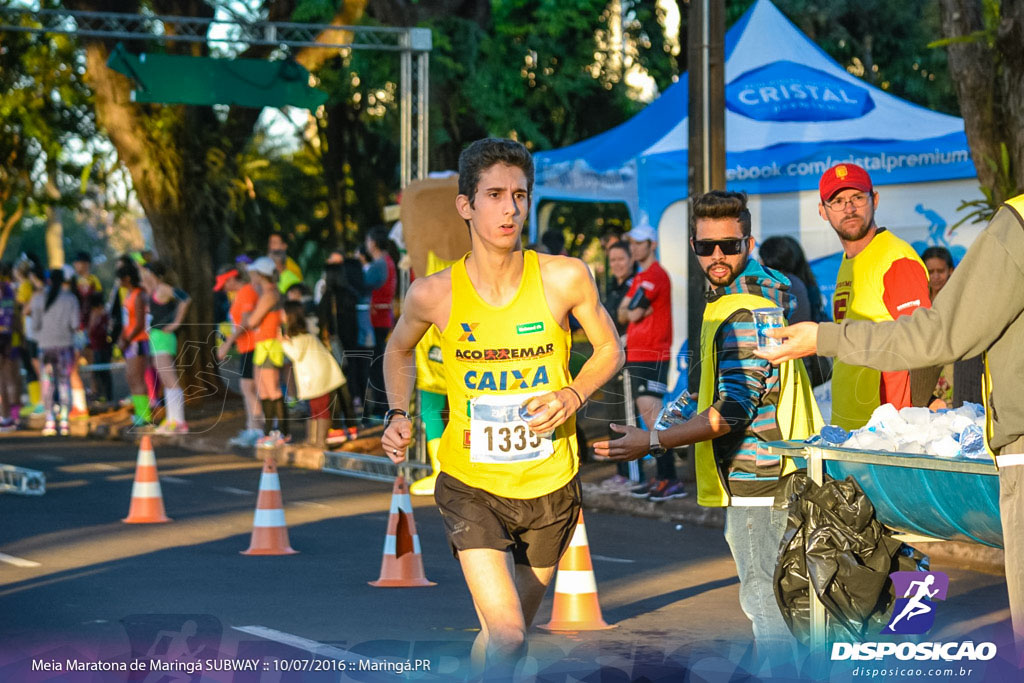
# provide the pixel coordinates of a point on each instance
(269, 532)
(147, 505)
(576, 607)
(402, 566)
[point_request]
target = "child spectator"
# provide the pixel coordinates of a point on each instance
(317, 374)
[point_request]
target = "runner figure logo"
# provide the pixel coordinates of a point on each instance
(914, 612)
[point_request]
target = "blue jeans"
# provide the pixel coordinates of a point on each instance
(754, 535)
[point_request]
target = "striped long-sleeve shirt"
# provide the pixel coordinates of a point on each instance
(747, 387)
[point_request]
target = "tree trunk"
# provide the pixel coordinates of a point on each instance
(182, 161)
(7, 222)
(173, 186)
(54, 235)
(1010, 43)
(990, 89)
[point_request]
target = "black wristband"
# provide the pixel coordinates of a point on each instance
(580, 398)
(388, 416)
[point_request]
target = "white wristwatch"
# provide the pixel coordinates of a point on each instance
(656, 447)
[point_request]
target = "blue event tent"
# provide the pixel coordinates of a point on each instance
(791, 112)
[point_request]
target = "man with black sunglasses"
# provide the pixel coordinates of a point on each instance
(881, 278)
(742, 402)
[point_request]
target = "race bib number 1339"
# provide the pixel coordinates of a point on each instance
(498, 435)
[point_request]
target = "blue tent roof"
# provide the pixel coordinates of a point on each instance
(791, 112)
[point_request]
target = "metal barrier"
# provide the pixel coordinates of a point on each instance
(22, 481)
(374, 467)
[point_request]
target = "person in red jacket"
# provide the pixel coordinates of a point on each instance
(648, 308)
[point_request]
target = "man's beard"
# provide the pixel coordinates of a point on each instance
(852, 232)
(726, 280)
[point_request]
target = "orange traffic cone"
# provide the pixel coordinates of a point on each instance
(147, 501)
(402, 566)
(575, 606)
(269, 533)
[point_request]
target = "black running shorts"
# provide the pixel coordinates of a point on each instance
(536, 530)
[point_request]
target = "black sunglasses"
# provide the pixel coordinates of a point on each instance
(729, 247)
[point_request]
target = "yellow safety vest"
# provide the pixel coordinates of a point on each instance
(796, 413)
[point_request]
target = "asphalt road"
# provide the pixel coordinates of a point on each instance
(78, 584)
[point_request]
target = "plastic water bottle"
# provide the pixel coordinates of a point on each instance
(972, 441)
(525, 416)
(833, 435)
(676, 412)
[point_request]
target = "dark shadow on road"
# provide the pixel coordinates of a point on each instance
(633, 609)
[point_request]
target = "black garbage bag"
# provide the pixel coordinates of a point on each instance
(834, 543)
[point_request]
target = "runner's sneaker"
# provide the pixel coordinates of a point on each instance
(50, 428)
(8, 424)
(246, 438)
(643, 490)
(336, 436)
(65, 428)
(167, 427)
(667, 490)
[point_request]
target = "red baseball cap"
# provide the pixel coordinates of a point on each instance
(843, 177)
(223, 278)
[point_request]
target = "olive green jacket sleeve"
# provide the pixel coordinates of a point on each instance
(981, 310)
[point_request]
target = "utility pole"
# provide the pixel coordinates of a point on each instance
(705, 45)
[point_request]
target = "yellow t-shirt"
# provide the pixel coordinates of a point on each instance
(884, 281)
(495, 358)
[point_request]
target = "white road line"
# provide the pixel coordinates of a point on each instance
(17, 561)
(604, 558)
(232, 489)
(319, 649)
(106, 466)
(174, 480)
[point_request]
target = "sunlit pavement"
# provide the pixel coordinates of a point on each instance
(75, 582)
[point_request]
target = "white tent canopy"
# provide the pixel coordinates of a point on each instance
(791, 112)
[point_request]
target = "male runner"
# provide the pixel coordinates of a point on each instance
(508, 490)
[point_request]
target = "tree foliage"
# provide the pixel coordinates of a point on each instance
(47, 127)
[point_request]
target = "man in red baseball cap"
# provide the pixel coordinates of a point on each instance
(881, 278)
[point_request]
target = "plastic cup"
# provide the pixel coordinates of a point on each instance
(764, 319)
(525, 416)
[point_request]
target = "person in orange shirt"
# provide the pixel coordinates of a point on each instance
(236, 282)
(134, 342)
(268, 355)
